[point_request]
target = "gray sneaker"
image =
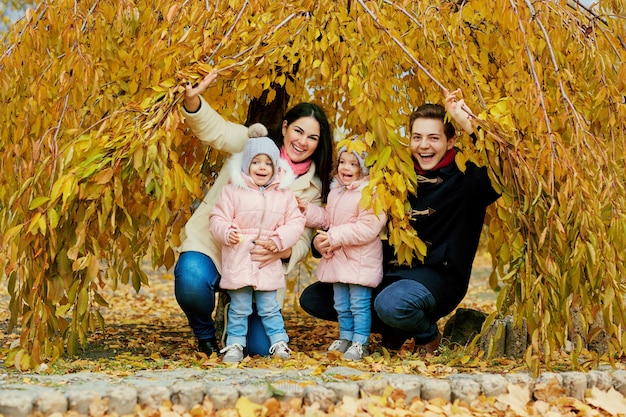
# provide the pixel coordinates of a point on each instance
(234, 353)
(280, 350)
(355, 352)
(340, 345)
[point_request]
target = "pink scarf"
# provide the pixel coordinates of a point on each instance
(298, 168)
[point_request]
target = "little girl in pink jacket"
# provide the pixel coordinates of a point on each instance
(256, 205)
(354, 261)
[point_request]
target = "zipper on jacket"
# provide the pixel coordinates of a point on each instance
(262, 189)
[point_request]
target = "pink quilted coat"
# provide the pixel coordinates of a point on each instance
(258, 214)
(359, 258)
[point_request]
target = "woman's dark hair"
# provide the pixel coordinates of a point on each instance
(323, 155)
(433, 111)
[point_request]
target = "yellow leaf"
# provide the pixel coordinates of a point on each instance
(24, 362)
(384, 156)
(57, 187)
(461, 161)
(271, 96)
(145, 103)
(93, 268)
(138, 158)
(53, 218)
(169, 83)
(516, 399)
(12, 232)
(42, 225)
(132, 87)
(246, 408)
(324, 70)
(83, 301)
(38, 201)
(72, 343)
(68, 190)
(34, 224)
(592, 252)
(104, 176)
(611, 401)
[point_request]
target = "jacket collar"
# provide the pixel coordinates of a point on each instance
(355, 185)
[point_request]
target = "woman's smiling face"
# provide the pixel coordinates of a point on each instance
(301, 138)
(429, 143)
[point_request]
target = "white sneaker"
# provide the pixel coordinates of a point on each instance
(340, 345)
(234, 353)
(280, 350)
(354, 352)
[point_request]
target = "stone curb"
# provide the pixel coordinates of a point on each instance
(24, 394)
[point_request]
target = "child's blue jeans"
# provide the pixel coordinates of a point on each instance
(352, 303)
(241, 308)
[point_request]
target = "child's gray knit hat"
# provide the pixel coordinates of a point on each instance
(259, 143)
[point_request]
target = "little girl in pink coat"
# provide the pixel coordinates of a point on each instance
(354, 261)
(256, 205)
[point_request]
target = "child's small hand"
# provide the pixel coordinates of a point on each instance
(234, 238)
(321, 241)
(271, 246)
(301, 205)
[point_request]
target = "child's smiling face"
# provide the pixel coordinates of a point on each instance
(348, 168)
(261, 169)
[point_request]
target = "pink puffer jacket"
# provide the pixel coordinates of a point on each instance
(257, 214)
(359, 258)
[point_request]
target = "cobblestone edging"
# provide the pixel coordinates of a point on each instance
(21, 395)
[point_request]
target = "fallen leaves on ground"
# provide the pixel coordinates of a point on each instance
(147, 330)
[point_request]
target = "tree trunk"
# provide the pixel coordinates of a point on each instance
(269, 114)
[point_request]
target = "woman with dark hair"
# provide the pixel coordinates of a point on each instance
(305, 142)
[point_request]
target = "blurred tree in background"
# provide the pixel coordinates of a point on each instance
(10, 11)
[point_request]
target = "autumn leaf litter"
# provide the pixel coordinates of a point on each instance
(148, 331)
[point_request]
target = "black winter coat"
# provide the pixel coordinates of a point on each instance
(448, 213)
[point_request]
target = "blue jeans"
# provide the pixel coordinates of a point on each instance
(407, 306)
(352, 303)
(241, 308)
(196, 280)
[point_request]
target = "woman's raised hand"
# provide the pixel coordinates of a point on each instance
(192, 93)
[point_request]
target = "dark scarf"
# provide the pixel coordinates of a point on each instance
(447, 159)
